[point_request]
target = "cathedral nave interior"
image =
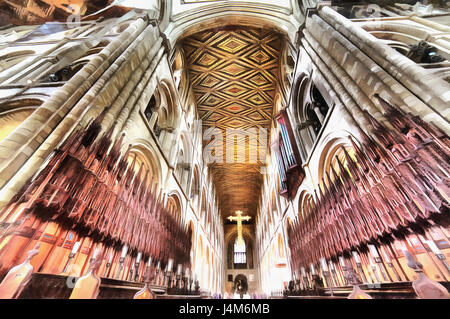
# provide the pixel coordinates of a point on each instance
(197, 149)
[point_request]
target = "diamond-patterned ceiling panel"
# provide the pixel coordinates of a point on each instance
(233, 73)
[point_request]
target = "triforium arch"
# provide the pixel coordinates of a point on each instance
(146, 157)
(416, 42)
(332, 145)
(311, 105)
(179, 71)
(175, 206)
(404, 34)
(162, 110)
(301, 87)
(168, 105)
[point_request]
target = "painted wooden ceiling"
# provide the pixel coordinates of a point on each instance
(233, 74)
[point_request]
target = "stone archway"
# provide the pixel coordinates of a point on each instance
(240, 285)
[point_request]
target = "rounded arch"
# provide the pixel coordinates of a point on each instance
(289, 223)
(286, 73)
(278, 102)
(401, 36)
(301, 86)
(240, 284)
(11, 59)
(303, 202)
(178, 70)
(174, 205)
(186, 140)
(231, 235)
(10, 120)
(15, 111)
(26, 101)
(332, 143)
(309, 124)
(178, 60)
(391, 29)
(217, 15)
(168, 106)
(146, 156)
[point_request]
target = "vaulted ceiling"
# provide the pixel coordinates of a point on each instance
(233, 73)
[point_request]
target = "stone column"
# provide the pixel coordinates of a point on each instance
(431, 90)
(83, 96)
(318, 113)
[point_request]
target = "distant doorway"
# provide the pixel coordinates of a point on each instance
(240, 286)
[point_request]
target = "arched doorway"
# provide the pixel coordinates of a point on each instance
(240, 285)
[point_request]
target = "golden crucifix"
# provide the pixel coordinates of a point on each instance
(239, 218)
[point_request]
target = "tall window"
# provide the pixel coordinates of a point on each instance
(150, 108)
(317, 110)
(240, 253)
